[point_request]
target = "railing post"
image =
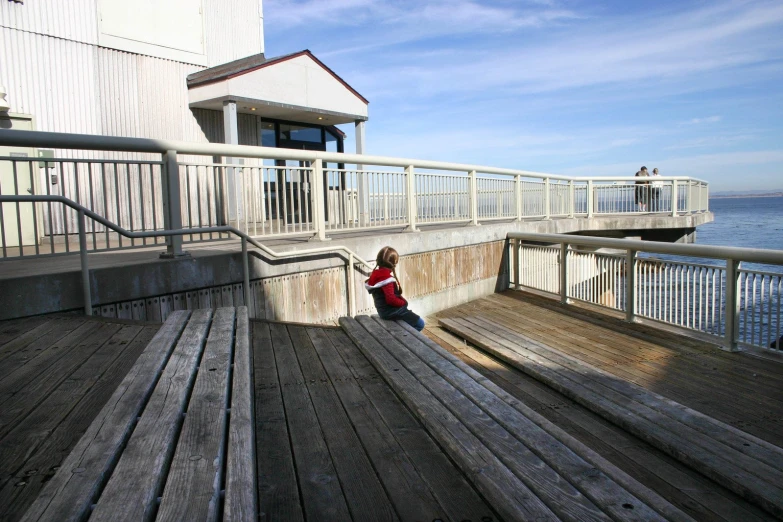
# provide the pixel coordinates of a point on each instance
(518, 180)
(172, 205)
(410, 178)
(572, 203)
(674, 198)
(732, 306)
(589, 198)
(630, 286)
(246, 277)
(547, 211)
(516, 245)
(564, 273)
(473, 197)
(351, 289)
(319, 192)
(85, 268)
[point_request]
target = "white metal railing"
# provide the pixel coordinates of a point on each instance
(728, 295)
(149, 185)
(83, 213)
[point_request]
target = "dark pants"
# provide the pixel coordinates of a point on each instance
(403, 314)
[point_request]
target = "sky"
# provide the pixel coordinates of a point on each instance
(573, 87)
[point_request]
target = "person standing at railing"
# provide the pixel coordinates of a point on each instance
(386, 290)
(655, 192)
(642, 190)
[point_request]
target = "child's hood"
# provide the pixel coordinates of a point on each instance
(379, 277)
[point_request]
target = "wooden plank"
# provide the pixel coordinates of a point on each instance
(729, 403)
(241, 503)
(740, 441)
(678, 441)
(318, 481)
(456, 496)
(153, 310)
(609, 488)
(33, 382)
(507, 494)
(124, 311)
(71, 492)
(45, 416)
(12, 329)
(278, 493)
(471, 403)
(34, 343)
(363, 491)
(406, 489)
(139, 310)
(137, 481)
(52, 431)
(194, 479)
(686, 489)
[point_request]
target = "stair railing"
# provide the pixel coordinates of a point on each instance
(351, 257)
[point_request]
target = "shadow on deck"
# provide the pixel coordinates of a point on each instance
(373, 421)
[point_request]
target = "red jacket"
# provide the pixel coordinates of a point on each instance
(382, 279)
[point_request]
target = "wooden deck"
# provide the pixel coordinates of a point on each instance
(373, 421)
(56, 373)
(738, 389)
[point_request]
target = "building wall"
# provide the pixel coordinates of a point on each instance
(56, 66)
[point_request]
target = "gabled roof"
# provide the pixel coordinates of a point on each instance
(253, 63)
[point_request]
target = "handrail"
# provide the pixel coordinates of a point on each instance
(159, 146)
(84, 211)
(733, 256)
(753, 255)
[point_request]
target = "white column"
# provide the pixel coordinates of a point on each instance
(231, 137)
(361, 182)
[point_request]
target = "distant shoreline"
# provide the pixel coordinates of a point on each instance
(770, 195)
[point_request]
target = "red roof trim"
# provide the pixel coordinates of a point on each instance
(282, 59)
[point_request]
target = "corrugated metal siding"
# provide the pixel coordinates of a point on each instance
(75, 20)
(52, 79)
(224, 22)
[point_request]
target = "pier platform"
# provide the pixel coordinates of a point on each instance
(478, 419)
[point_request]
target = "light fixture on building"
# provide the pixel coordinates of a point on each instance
(320, 117)
(252, 108)
(4, 107)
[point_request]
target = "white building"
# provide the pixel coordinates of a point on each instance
(191, 70)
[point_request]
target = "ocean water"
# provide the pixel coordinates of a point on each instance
(744, 222)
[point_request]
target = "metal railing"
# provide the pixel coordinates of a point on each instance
(352, 259)
(146, 185)
(698, 287)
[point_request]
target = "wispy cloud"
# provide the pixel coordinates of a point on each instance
(697, 121)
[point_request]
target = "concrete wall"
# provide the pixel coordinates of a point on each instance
(439, 268)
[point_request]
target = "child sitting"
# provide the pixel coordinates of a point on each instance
(387, 292)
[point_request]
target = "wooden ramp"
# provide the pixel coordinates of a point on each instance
(743, 463)
(524, 466)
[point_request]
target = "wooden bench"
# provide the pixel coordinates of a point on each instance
(525, 467)
(175, 441)
(745, 464)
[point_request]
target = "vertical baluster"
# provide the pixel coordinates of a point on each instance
(118, 209)
(753, 310)
(19, 236)
(779, 326)
(129, 184)
(49, 215)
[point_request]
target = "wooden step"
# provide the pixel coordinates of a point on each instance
(744, 464)
(521, 468)
(168, 424)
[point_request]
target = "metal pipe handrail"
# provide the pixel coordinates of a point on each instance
(733, 256)
(158, 146)
(753, 255)
(85, 212)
